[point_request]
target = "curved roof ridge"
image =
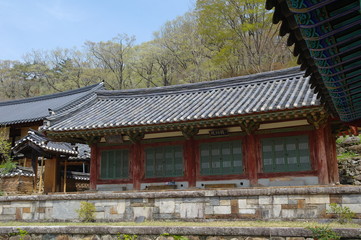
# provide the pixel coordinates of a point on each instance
(51, 96)
(205, 86)
(96, 87)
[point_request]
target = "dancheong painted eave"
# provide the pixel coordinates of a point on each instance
(327, 40)
(275, 91)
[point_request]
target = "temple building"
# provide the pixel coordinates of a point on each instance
(266, 129)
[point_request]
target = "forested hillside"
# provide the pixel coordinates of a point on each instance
(218, 39)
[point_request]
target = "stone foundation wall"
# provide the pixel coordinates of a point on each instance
(155, 232)
(291, 203)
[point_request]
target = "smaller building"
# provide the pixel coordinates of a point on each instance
(57, 160)
(265, 129)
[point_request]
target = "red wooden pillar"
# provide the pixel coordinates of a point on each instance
(93, 166)
(190, 162)
(321, 155)
(332, 156)
(251, 158)
(137, 165)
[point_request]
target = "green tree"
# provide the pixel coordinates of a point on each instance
(112, 57)
(241, 35)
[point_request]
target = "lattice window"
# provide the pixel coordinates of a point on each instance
(114, 164)
(221, 158)
(286, 154)
(164, 161)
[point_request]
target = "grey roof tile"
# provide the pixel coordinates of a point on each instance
(271, 91)
(75, 152)
(37, 108)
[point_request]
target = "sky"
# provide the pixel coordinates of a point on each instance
(27, 25)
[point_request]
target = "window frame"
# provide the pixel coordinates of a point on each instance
(311, 146)
(242, 175)
(146, 179)
(100, 150)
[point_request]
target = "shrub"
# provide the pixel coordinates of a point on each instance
(323, 233)
(5, 148)
(86, 213)
(126, 237)
(343, 214)
(21, 233)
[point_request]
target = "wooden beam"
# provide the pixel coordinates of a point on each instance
(94, 158)
(137, 165)
(41, 174)
(65, 174)
(321, 155)
(251, 158)
(190, 161)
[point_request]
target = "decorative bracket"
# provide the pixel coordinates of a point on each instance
(92, 140)
(318, 120)
(135, 137)
(189, 132)
(249, 127)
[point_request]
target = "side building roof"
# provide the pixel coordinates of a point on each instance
(234, 97)
(37, 108)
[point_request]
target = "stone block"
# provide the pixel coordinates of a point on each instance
(252, 201)
(356, 208)
(27, 216)
(336, 199)
(9, 210)
(62, 237)
(48, 213)
(99, 209)
(242, 203)
(46, 204)
(1, 209)
(351, 199)
(143, 211)
(66, 210)
(107, 237)
(193, 200)
(225, 202)
(276, 211)
(191, 210)
(121, 207)
(40, 210)
(208, 210)
(26, 210)
(288, 213)
(166, 206)
(301, 203)
(263, 200)
(295, 238)
(318, 199)
(214, 201)
(21, 204)
(222, 209)
(247, 211)
(281, 199)
(99, 215)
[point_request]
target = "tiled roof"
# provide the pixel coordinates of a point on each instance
(77, 175)
(37, 108)
(44, 143)
(258, 93)
(19, 171)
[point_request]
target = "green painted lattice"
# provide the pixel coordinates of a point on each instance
(221, 158)
(286, 154)
(164, 161)
(114, 164)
